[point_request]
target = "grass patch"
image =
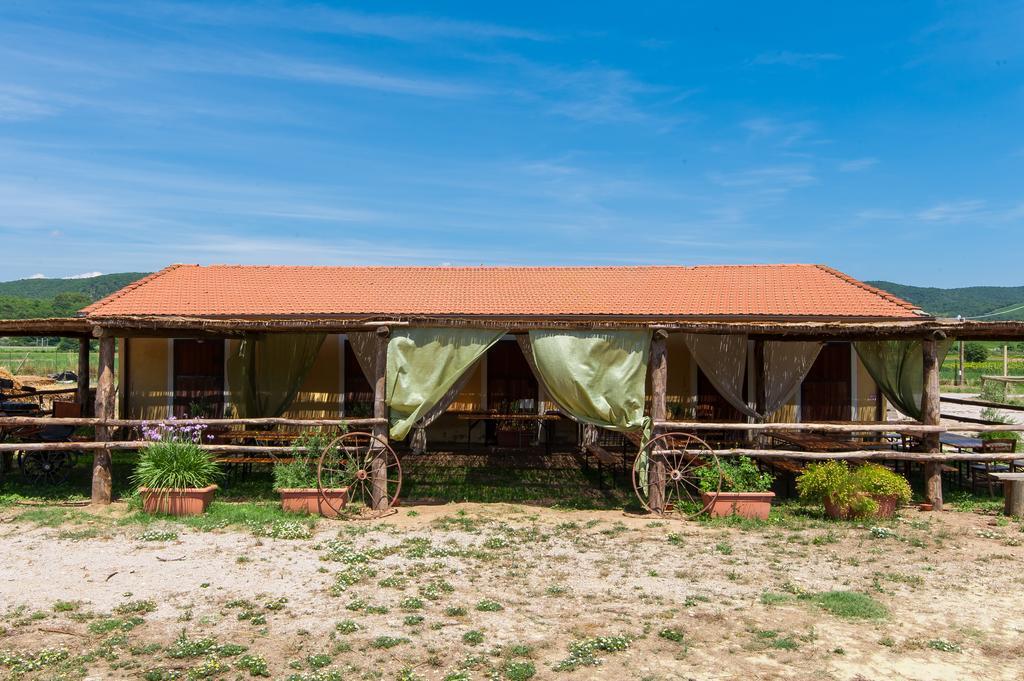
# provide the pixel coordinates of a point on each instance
(850, 605)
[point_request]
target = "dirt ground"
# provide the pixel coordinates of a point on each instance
(470, 591)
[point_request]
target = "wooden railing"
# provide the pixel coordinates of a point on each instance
(34, 422)
(911, 429)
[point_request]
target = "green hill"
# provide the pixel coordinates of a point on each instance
(28, 298)
(971, 301)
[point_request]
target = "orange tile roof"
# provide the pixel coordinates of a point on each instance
(702, 291)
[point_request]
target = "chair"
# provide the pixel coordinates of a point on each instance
(994, 446)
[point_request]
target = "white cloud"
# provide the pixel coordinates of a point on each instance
(282, 67)
(38, 275)
(785, 133)
(84, 275)
(953, 211)
(324, 19)
(798, 59)
(769, 179)
(857, 164)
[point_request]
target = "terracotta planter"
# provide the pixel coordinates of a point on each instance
(186, 501)
(924, 507)
(755, 505)
(835, 511)
(887, 505)
(308, 500)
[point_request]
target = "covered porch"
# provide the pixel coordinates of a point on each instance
(782, 392)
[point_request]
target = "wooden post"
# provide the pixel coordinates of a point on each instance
(930, 417)
(101, 467)
(960, 367)
(83, 376)
(379, 487)
(1013, 497)
(760, 380)
(659, 411)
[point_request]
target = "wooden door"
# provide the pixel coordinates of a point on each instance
(509, 378)
(825, 393)
(199, 378)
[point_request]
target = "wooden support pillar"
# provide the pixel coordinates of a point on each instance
(83, 376)
(659, 411)
(101, 467)
(960, 364)
(930, 417)
(761, 379)
(379, 494)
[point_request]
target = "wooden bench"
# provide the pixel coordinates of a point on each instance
(1013, 492)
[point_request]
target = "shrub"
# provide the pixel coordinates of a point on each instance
(875, 479)
(301, 471)
(993, 415)
(739, 474)
(975, 352)
(173, 460)
(825, 481)
(851, 492)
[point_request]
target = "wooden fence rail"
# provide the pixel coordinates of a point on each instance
(893, 427)
(21, 421)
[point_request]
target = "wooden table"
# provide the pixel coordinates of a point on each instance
(260, 437)
(1013, 492)
(819, 442)
(476, 417)
(961, 442)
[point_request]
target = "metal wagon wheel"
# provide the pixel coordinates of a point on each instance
(368, 469)
(674, 458)
(46, 467)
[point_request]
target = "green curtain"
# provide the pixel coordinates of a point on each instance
(898, 369)
(265, 372)
(423, 364)
(598, 377)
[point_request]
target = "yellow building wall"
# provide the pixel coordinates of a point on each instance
(146, 382)
(867, 394)
(320, 394)
(681, 387)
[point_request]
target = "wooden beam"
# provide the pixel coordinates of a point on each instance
(132, 423)
(83, 376)
(659, 411)
(794, 329)
(982, 403)
(378, 481)
(101, 465)
(931, 416)
(859, 455)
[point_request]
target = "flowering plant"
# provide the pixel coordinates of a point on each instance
(168, 431)
(173, 458)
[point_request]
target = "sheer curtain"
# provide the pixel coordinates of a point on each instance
(265, 372)
(424, 365)
(898, 369)
(723, 359)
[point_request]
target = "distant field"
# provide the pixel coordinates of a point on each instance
(36, 361)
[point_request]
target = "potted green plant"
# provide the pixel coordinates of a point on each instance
(744, 489)
(296, 480)
(887, 489)
(869, 490)
(174, 475)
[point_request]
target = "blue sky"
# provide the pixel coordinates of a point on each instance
(884, 139)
